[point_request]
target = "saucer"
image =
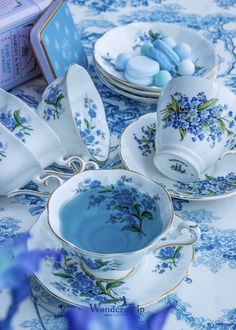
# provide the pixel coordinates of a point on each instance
(157, 275)
(132, 36)
(124, 92)
(137, 145)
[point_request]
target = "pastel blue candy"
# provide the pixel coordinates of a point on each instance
(141, 67)
(143, 50)
(169, 41)
(161, 58)
(162, 78)
(183, 50)
(164, 48)
(139, 81)
(122, 60)
(186, 68)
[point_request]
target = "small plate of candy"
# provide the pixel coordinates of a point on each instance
(140, 58)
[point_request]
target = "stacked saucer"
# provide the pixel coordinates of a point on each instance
(131, 38)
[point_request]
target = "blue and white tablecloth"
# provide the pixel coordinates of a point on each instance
(207, 297)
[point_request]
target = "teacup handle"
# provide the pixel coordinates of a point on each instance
(73, 162)
(40, 179)
(181, 233)
(228, 152)
(54, 175)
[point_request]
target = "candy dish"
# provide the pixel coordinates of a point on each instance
(28, 128)
(157, 276)
(137, 148)
(134, 35)
(127, 92)
(73, 108)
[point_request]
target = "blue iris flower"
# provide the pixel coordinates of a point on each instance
(16, 264)
(128, 320)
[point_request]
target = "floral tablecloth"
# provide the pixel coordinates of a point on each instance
(207, 297)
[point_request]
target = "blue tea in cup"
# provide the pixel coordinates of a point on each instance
(112, 218)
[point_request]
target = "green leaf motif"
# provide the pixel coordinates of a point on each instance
(17, 117)
(208, 177)
(62, 275)
(86, 122)
(207, 127)
(147, 214)
(100, 262)
(174, 103)
(182, 132)
(132, 228)
(221, 125)
(112, 285)
(207, 104)
(101, 286)
(121, 208)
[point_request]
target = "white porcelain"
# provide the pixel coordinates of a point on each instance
(18, 166)
(132, 36)
(124, 92)
(73, 108)
(196, 126)
(37, 136)
(158, 274)
(127, 216)
(137, 147)
(128, 89)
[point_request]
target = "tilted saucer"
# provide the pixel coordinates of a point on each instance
(137, 145)
(156, 276)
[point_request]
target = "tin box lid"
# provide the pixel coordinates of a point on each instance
(56, 42)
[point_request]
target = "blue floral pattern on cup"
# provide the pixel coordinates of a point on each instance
(100, 264)
(90, 133)
(147, 140)
(54, 102)
(128, 205)
(72, 278)
(211, 186)
(203, 119)
(169, 257)
(3, 148)
(18, 124)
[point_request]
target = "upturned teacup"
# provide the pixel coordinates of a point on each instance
(110, 219)
(73, 108)
(196, 125)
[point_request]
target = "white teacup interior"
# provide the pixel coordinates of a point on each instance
(109, 212)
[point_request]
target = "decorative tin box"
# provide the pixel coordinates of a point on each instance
(17, 61)
(56, 42)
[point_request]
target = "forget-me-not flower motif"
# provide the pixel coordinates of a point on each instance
(147, 141)
(210, 186)
(17, 123)
(199, 117)
(53, 108)
(90, 133)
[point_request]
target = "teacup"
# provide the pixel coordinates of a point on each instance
(110, 219)
(73, 108)
(196, 122)
(27, 127)
(18, 166)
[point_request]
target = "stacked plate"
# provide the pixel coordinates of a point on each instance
(129, 38)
